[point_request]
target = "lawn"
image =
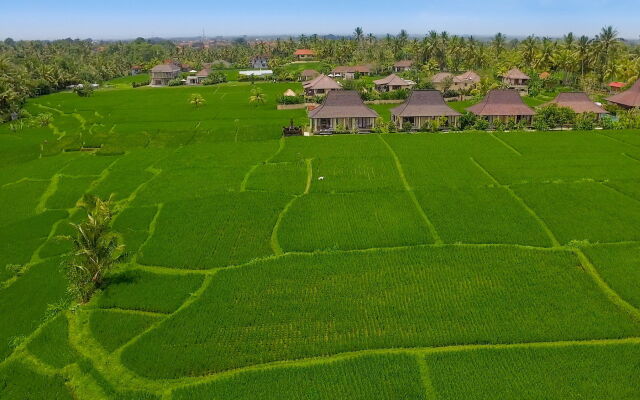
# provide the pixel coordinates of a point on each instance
(394, 266)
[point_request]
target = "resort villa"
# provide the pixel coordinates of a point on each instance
(580, 103)
(135, 70)
(392, 82)
(199, 77)
(516, 79)
(444, 81)
(402, 66)
(348, 72)
(304, 54)
(423, 106)
(321, 85)
(503, 104)
(163, 73)
(309, 74)
(344, 109)
(259, 62)
(627, 99)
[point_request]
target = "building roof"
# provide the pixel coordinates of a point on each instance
(425, 103)
(501, 102)
(578, 102)
(290, 93)
(469, 76)
(515, 73)
(309, 72)
(204, 72)
(165, 68)
(440, 77)
(628, 98)
(304, 52)
(322, 82)
(352, 69)
(343, 104)
(136, 67)
(545, 75)
(403, 64)
(392, 80)
(617, 85)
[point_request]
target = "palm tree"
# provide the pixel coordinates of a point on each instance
(197, 100)
(257, 96)
(583, 50)
(606, 44)
(96, 249)
(359, 34)
(499, 44)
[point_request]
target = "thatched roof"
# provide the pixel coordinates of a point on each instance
(578, 102)
(469, 77)
(501, 103)
(440, 77)
(343, 104)
(628, 98)
(515, 73)
(363, 69)
(309, 73)
(403, 64)
(165, 68)
(290, 93)
(392, 80)
(322, 82)
(425, 103)
(204, 73)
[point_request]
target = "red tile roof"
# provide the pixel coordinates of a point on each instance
(304, 52)
(617, 85)
(628, 98)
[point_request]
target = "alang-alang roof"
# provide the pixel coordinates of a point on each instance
(501, 103)
(343, 104)
(628, 98)
(578, 102)
(392, 80)
(425, 103)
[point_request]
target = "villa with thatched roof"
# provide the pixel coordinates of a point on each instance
(342, 108)
(580, 103)
(503, 104)
(516, 79)
(349, 72)
(309, 74)
(392, 82)
(304, 54)
(469, 78)
(629, 98)
(422, 106)
(320, 86)
(163, 73)
(444, 81)
(401, 66)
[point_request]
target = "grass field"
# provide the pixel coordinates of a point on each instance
(428, 266)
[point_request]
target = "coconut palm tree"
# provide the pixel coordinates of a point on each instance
(197, 100)
(257, 97)
(358, 33)
(499, 44)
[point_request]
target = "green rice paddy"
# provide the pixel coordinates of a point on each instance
(426, 266)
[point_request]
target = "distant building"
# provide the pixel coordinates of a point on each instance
(304, 54)
(516, 79)
(616, 86)
(309, 74)
(423, 106)
(402, 66)
(342, 108)
(199, 77)
(259, 62)
(629, 98)
(469, 79)
(503, 104)
(136, 70)
(444, 81)
(163, 73)
(350, 72)
(321, 85)
(580, 103)
(392, 82)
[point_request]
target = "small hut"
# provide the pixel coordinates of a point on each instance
(320, 86)
(290, 93)
(309, 74)
(403, 65)
(516, 79)
(422, 106)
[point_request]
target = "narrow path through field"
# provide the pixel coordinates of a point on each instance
(505, 144)
(412, 195)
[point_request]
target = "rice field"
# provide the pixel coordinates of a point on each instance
(424, 266)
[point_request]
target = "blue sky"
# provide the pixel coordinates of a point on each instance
(119, 19)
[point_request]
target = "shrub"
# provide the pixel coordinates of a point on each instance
(585, 121)
(175, 82)
(83, 90)
(391, 127)
(450, 93)
(139, 84)
(607, 122)
(499, 125)
(215, 78)
(407, 127)
(553, 116)
(290, 100)
(481, 124)
(467, 120)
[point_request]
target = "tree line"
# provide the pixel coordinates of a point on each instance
(29, 68)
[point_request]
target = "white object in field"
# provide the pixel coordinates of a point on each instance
(261, 72)
(321, 178)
